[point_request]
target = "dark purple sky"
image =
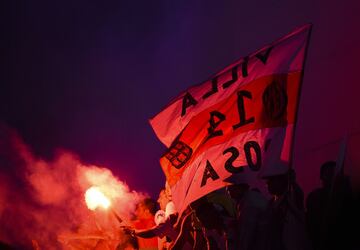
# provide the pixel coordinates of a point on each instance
(87, 76)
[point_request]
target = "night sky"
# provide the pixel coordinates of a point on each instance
(86, 76)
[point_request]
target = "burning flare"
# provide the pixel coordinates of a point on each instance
(95, 198)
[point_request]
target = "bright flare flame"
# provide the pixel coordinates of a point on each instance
(95, 198)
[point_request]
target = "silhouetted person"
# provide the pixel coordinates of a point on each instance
(248, 226)
(161, 227)
(190, 233)
(212, 220)
(316, 204)
(145, 212)
(329, 210)
(285, 214)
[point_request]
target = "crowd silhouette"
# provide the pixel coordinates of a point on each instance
(241, 217)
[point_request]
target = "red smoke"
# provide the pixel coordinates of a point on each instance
(44, 200)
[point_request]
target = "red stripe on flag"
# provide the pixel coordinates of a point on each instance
(264, 103)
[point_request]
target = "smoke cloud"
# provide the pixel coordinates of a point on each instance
(42, 202)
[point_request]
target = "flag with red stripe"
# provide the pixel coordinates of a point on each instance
(240, 122)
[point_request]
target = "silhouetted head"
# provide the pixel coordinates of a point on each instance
(237, 191)
(238, 186)
(327, 173)
(163, 199)
(146, 208)
(277, 184)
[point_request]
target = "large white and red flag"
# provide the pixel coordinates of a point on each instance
(240, 122)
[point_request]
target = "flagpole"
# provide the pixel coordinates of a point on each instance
(299, 96)
(291, 160)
